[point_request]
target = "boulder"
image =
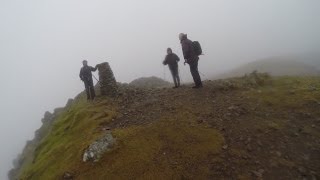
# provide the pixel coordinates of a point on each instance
(98, 148)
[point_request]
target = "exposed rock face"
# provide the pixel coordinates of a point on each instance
(97, 148)
(108, 84)
(47, 117)
(39, 134)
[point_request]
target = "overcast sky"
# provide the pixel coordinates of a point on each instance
(42, 44)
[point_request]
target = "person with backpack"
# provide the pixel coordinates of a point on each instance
(172, 61)
(86, 76)
(191, 51)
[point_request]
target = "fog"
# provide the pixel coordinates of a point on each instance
(42, 45)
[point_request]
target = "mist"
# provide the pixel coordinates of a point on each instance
(42, 45)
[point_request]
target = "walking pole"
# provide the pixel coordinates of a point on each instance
(96, 79)
(205, 77)
(164, 73)
(181, 82)
(89, 89)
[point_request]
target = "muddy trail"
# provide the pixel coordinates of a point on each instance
(264, 137)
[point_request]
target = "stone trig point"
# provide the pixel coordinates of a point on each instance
(108, 84)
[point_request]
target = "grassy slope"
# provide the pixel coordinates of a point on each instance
(184, 138)
(71, 133)
(140, 151)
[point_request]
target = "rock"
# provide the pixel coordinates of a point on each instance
(258, 173)
(47, 117)
(306, 157)
(232, 107)
(249, 148)
(248, 141)
(67, 176)
(69, 102)
(200, 121)
(292, 91)
(312, 88)
(259, 143)
(97, 148)
(278, 154)
(225, 147)
(302, 170)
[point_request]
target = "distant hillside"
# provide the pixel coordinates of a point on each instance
(276, 67)
(312, 59)
(149, 82)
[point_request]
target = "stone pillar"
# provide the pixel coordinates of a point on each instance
(108, 84)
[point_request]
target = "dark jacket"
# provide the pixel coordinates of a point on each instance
(85, 73)
(189, 53)
(172, 60)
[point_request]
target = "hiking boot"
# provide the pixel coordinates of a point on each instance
(197, 86)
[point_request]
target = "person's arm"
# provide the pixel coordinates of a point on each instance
(177, 58)
(165, 61)
(80, 75)
(94, 68)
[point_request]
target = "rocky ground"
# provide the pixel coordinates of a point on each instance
(254, 127)
(264, 138)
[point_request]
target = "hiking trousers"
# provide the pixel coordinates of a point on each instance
(194, 72)
(88, 84)
(175, 76)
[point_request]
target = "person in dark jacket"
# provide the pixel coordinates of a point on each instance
(172, 61)
(191, 58)
(86, 77)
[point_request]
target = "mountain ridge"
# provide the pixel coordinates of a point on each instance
(277, 66)
(246, 127)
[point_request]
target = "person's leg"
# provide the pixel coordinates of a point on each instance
(92, 92)
(178, 78)
(198, 78)
(173, 77)
(195, 73)
(86, 85)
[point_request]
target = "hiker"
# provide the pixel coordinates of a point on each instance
(191, 58)
(86, 77)
(172, 61)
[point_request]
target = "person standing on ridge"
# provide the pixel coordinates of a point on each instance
(191, 58)
(172, 61)
(86, 77)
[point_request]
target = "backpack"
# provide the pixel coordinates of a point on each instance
(197, 48)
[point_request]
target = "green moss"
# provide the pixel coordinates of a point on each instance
(173, 147)
(166, 149)
(288, 93)
(61, 149)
